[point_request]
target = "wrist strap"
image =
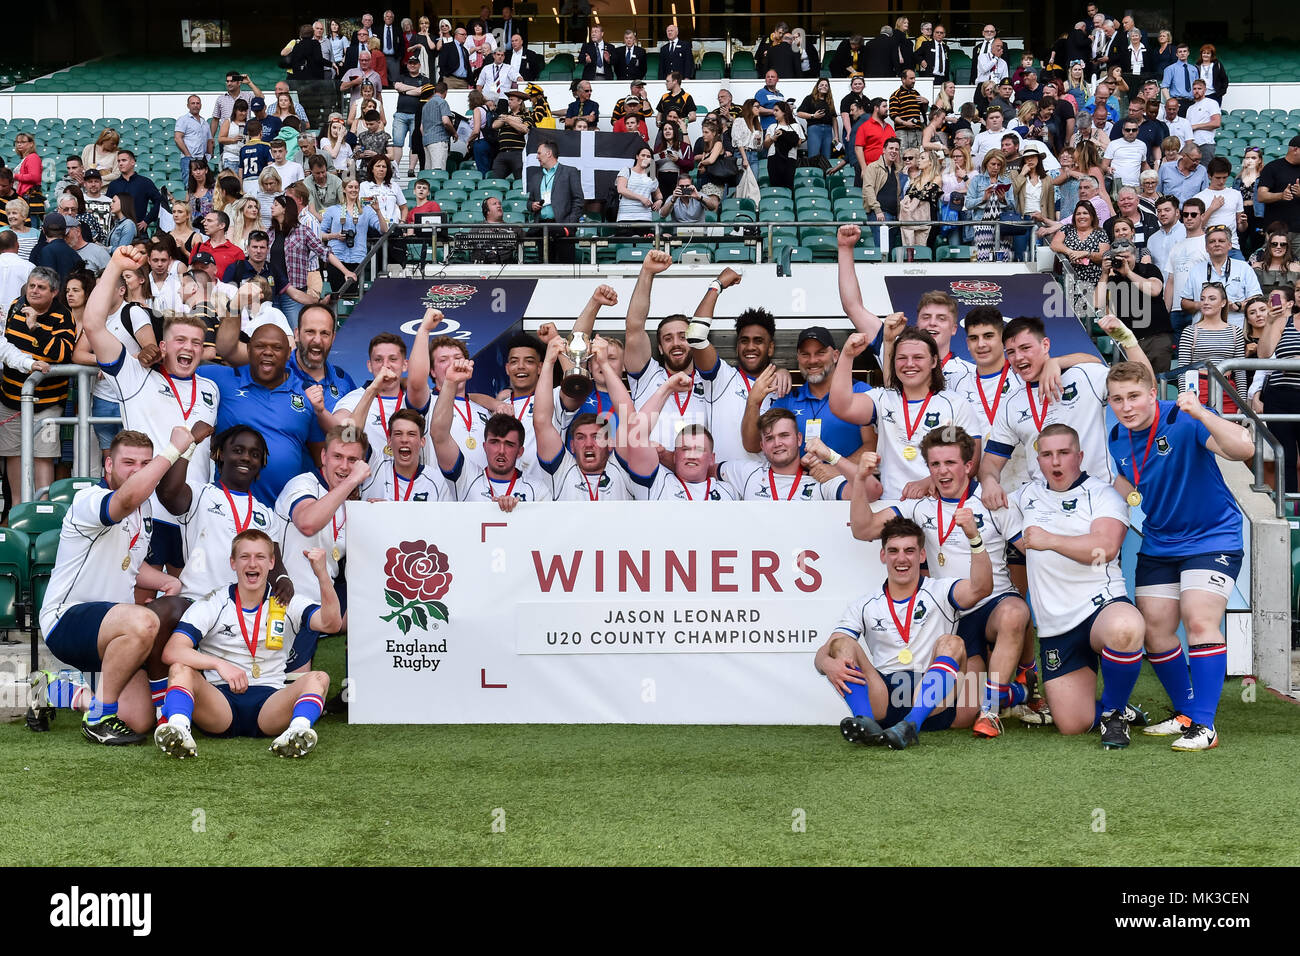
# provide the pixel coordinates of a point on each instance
(171, 453)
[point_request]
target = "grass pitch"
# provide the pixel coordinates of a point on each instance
(631, 795)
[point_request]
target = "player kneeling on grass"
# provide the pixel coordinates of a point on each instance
(912, 655)
(1071, 527)
(227, 659)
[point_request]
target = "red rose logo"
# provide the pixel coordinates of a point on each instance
(418, 577)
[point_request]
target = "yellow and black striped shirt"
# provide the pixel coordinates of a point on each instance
(51, 341)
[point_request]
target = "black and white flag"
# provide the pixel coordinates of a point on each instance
(598, 157)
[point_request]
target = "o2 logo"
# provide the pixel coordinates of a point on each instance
(448, 327)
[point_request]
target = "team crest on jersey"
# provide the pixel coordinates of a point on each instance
(148, 525)
(715, 495)
(1053, 659)
(931, 419)
(1069, 393)
(259, 519)
(422, 496)
(920, 612)
(334, 390)
(208, 399)
(1162, 446)
(807, 493)
(698, 389)
(1070, 505)
(1098, 600)
(297, 402)
(979, 521)
(483, 418)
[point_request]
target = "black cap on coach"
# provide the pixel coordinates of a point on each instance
(820, 333)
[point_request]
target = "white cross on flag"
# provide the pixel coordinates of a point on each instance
(598, 157)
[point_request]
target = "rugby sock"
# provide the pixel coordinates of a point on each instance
(997, 696)
(1209, 668)
(100, 711)
(1119, 674)
(1174, 677)
(158, 690)
(307, 711)
(178, 707)
(64, 692)
(936, 684)
(857, 698)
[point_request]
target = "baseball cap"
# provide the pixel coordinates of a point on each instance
(257, 104)
(92, 173)
(1295, 141)
(818, 332)
(203, 258)
(54, 220)
(70, 222)
(413, 57)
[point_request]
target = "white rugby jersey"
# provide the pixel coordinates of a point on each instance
(467, 421)
(571, 483)
(527, 461)
(153, 404)
(955, 548)
(940, 408)
(98, 558)
(958, 373)
(727, 392)
(213, 624)
(934, 614)
(120, 324)
(381, 411)
(664, 485)
(679, 410)
(332, 538)
(426, 485)
(208, 529)
(473, 484)
(1082, 407)
(986, 396)
(756, 483)
(1063, 592)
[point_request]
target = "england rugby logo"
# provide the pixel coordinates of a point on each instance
(448, 295)
(976, 292)
(418, 577)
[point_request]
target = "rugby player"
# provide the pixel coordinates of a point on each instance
(227, 667)
(906, 666)
(372, 407)
(437, 355)
(1192, 550)
(401, 476)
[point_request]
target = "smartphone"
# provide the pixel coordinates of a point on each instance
(1275, 299)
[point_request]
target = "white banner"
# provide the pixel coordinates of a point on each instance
(619, 612)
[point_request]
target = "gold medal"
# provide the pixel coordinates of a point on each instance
(909, 452)
(1035, 445)
(257, 668)
(470, 443)
(126, 562)
(1134, 498)
(336, 554)
(905, 656)
(942, 559)
(388, 450)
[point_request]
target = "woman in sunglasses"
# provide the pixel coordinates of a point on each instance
(1273, 263)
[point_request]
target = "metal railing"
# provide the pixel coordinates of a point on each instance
(1220, 384)
(83, 446)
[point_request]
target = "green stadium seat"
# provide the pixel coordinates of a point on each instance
(824, 248)
(800, 254)
(742, 65)
(955, 253)
(911, 254)
(814, 204)
(15, 575)
(466, 172)
(777, 192)
(808, 172)
(64, 489)
(468, 215)
(513, 217)
(631, 253)
(733, 252)
(44, 552)
(867, 254)
(770, 207)
(500, 185)
(34, 517)
(515, 205)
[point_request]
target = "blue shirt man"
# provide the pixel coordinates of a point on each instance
(1175, 182)
(811, 403)
(767, 97)
(1179, 77)
(281, 413)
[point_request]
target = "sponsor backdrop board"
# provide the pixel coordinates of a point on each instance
(482, 313)
(463, 614)
(1013, 295)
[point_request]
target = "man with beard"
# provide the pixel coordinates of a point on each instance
(503, 442)
(645, 374)
(399, 475)
(310, 360)
(154, 400)
(729, 386)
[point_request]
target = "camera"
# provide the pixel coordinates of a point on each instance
(349, 236)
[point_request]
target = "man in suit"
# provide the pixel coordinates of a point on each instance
(675, 56)
(555, 195)
(985, 47)
(453, 62)
(630, 60)
(1105, 48)
(782, 58)
(528, 63)
(932, 57)
(359, 39)
(848, 57)
(509, 26)
(597, 57)
(878, 55)
(392, 43)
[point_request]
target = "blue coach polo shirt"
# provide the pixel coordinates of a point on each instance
(336, 382)
(837, 434)
(283, 416)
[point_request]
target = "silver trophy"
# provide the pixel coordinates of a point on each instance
(577, 382)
